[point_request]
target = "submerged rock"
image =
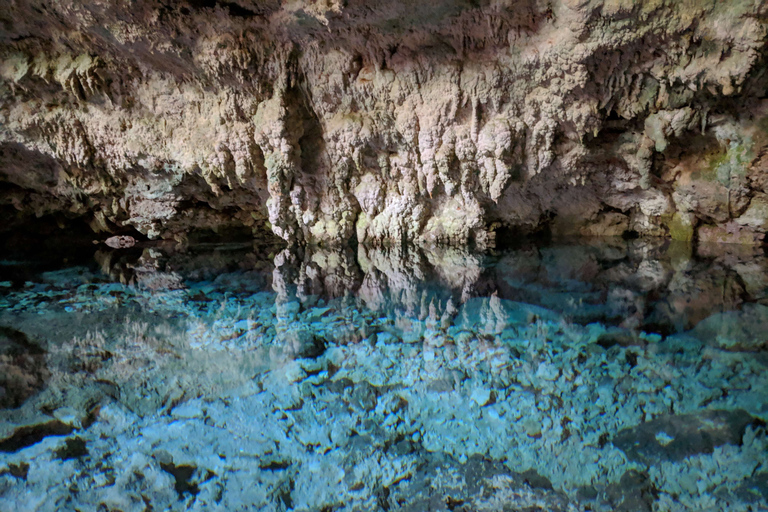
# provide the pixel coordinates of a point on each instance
(739, 331)
(634, 492)
(23, 368)
(491, 315)
(675, 437)
(755, 489)
(392, 380)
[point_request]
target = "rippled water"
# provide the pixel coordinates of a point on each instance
(620, 375)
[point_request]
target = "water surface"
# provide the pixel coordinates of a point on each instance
(613, 375)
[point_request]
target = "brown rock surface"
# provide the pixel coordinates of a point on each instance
(435, 122)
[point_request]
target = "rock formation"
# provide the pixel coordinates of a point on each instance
(433, 121)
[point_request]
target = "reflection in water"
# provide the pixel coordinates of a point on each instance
(576, 376)
(657, 286)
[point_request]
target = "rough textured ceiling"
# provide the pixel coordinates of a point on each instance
(434, 122)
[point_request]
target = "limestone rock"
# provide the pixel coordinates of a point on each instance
(730, 233)
(756, 216)
(438, 123)
(120, 242)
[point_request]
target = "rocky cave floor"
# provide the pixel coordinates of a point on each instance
(620, 375)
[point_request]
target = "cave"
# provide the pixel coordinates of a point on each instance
(356, 255)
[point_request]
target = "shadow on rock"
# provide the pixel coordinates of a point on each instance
(675, 437)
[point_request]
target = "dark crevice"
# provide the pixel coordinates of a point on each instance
(512, 237)
(31, 435)
(314, 349)
(73, 448)
(232, 8)
(182, 474)
(284, 495)
(275, 465)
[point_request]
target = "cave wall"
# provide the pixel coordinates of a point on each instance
(426, 121)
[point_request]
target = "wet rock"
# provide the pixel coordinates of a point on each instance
(675, 437)
(535, 481)
(482, 396)
(23, 370)
(364, 396)
(634, 492)
(300, 343)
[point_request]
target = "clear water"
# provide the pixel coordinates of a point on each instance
(620, 375)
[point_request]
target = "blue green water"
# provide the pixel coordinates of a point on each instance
(613, 375)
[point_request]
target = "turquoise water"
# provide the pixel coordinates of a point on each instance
(619, 375)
